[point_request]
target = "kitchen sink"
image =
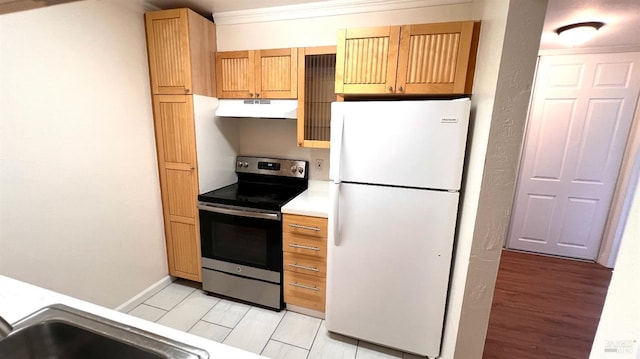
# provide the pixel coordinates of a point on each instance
(61, 332)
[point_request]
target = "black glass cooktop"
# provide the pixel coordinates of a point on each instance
(253, 195)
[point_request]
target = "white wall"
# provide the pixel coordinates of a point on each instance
(619, 327)
(321, 31)
(509, 102)
(80, 209)
(277, 139)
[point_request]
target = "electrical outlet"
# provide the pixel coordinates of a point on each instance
(319, 165)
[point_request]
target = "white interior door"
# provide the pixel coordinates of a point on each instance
(579, 122)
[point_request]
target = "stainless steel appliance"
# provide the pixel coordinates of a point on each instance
(241, 230)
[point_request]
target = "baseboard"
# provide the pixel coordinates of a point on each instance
(144, 295)
(305, 311)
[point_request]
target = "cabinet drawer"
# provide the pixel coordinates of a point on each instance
(304, 290)
(310, 246)
(308, 226)
(305, 264)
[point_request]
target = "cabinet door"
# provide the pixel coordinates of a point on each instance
(316, 91)
(168, 51)
(435, 58)
(276, 73)
(202, 46)
(235, 74)
(366, 60)
(175, 141)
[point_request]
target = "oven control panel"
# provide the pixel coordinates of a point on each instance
(272, 166)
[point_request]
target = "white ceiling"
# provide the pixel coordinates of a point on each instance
(622, 17)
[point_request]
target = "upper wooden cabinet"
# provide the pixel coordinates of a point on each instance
(181, 48)
(316, 83)
(269, 74)
(412, 59)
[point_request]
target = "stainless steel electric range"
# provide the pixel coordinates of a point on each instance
(241, 230)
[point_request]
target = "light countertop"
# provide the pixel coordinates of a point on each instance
(19, 299)
(312, 202)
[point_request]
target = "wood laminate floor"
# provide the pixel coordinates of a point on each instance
(545, 307)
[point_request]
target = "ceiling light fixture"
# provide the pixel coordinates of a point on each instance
(579, 33)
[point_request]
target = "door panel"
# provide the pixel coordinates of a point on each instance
(168, 48)
(234, 74)
(181, 193)
(549, 158)
(184, 248)
(598, 139)
(176, 124)
(175, 140)
(434, 58)
(539, 212)
(366, 60)
(578, 222)
(581, 113)
(276, 73)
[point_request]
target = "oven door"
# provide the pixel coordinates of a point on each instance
(241, 236)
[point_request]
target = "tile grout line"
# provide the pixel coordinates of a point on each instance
(152, 306)
(145, 302)
(289, 344)
(200, 319)
(210, 309)
(176, 305)
(315, 337)
(234, 328)
(220, 325)
(183, 300)
(274, 330)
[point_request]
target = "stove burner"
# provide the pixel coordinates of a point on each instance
(260, 188)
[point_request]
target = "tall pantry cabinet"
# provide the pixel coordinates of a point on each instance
(181, 50)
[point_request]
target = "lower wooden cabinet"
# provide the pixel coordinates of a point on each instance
(175, 143)
(304, 290)
(305, 261)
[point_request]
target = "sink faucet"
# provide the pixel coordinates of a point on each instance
(5, 328)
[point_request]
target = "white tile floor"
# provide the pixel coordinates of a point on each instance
(276, 335)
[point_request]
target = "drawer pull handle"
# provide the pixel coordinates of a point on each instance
(317, 249)
(304, 286)
(299, 226)
(296, 265)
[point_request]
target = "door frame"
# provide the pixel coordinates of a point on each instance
(628, 176)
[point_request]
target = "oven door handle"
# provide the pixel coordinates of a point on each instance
(239, 212)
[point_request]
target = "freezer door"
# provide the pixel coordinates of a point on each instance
(388, 263)
(403, 143)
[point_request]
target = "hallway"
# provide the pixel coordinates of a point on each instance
(545, 307)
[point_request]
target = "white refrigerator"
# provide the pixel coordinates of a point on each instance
(396, 169)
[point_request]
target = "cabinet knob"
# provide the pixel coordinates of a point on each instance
(390, 88)
(186, 90)
(257, 95)
(250, 95)
(400, 89)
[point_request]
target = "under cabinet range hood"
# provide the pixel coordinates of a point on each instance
(279, 109)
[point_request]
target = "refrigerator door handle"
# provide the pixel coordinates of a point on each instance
(335, 154)
(333, 214)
